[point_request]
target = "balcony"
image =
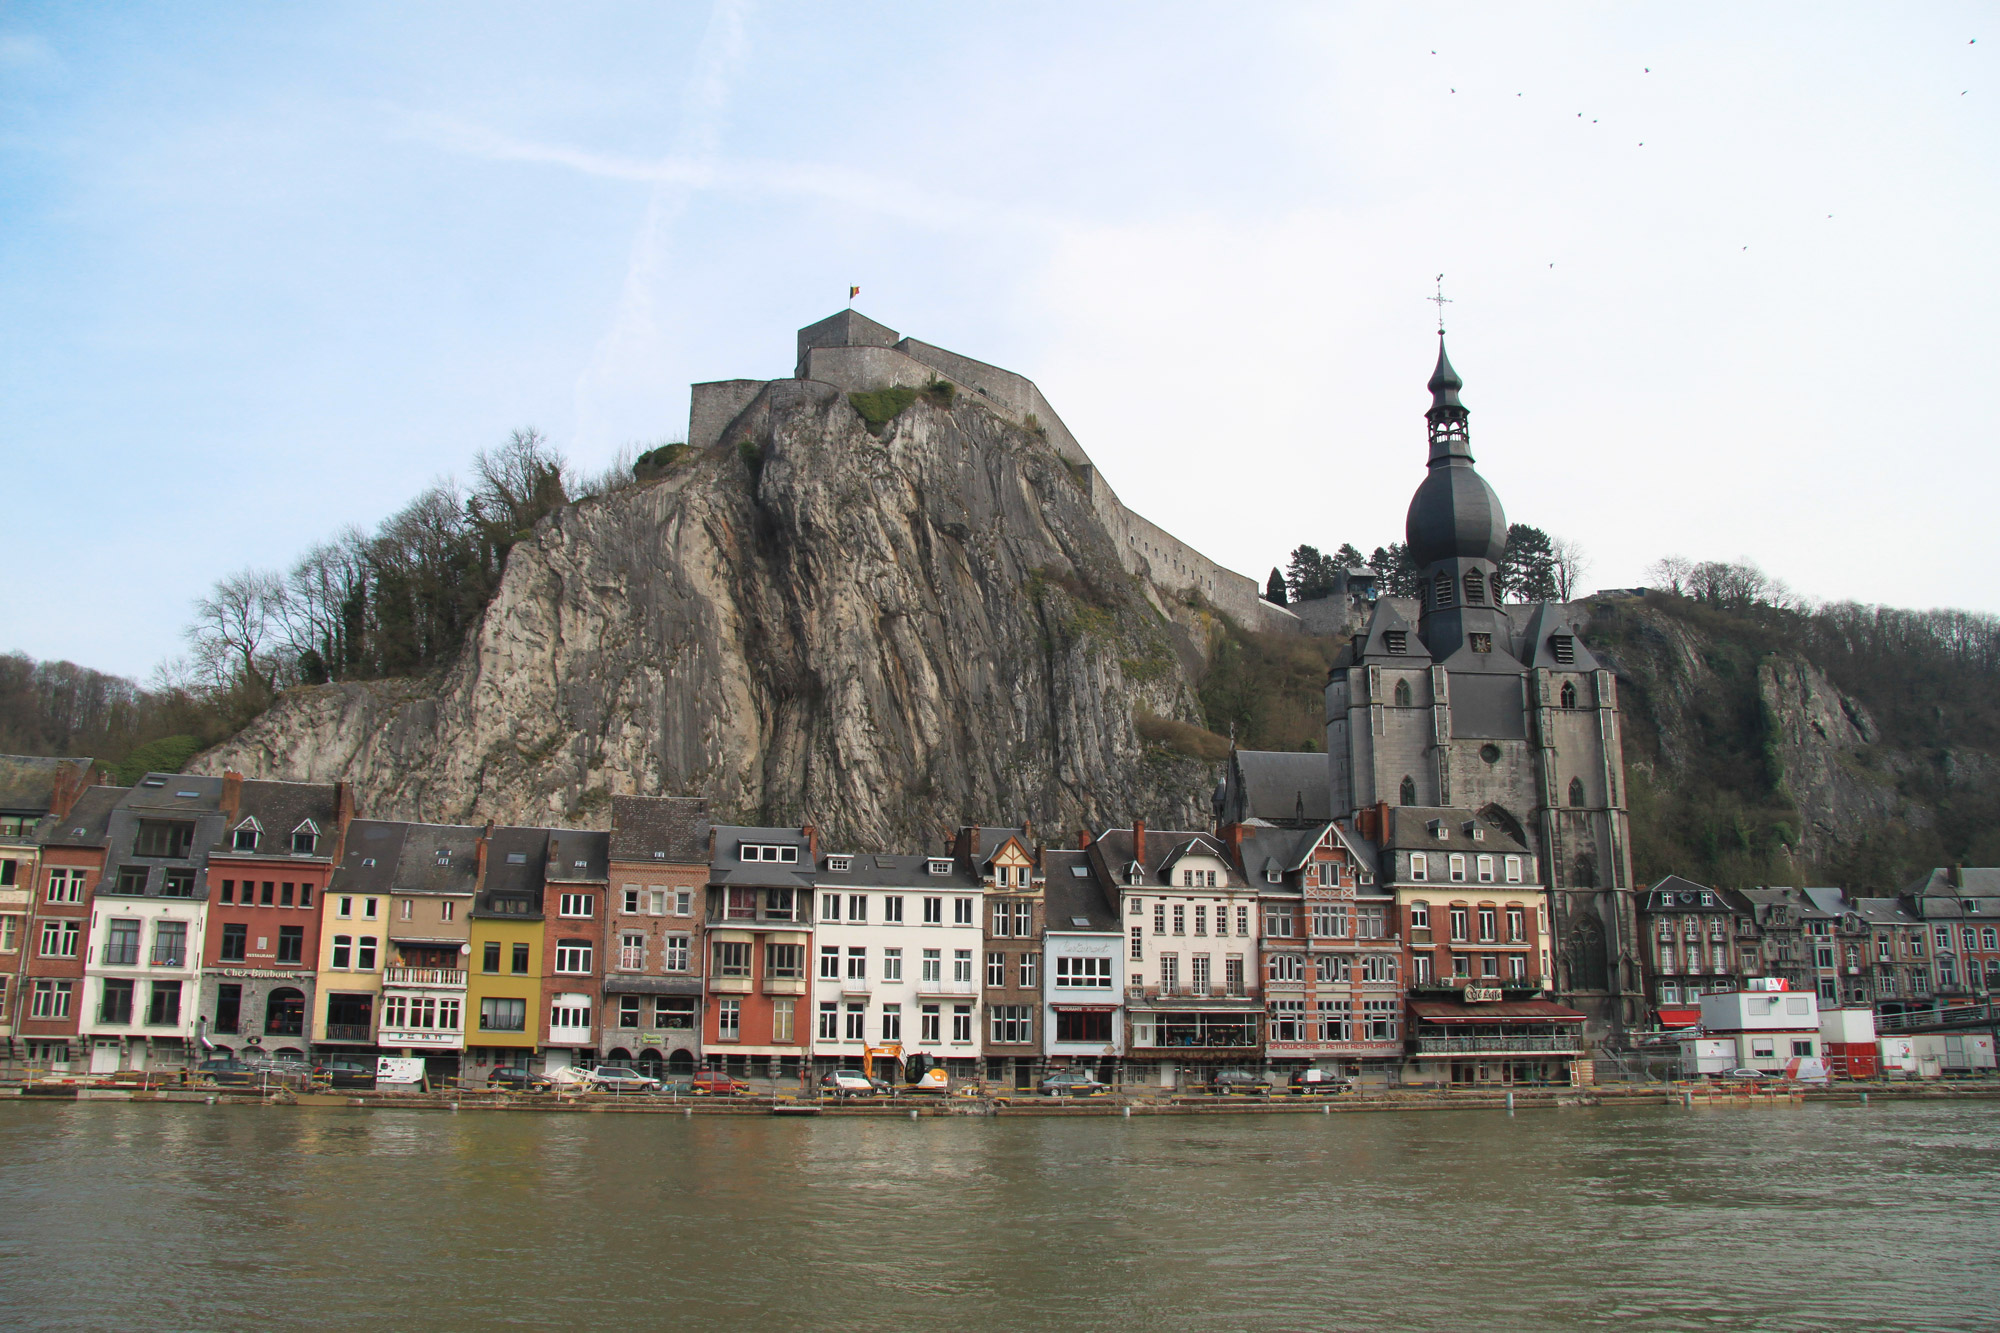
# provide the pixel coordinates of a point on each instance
(444, 977)
(175, 956)
(1185, 992)
(786, 985)
(349, 1032)
(948, 990)
(1555, 1043)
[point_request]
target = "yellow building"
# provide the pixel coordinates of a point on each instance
(503, 987)
(353, 940)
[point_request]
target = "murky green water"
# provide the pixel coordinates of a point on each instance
(119, 1216)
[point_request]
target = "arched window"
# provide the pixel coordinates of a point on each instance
(1409, 792)
(285, 1013)
(1569, 694)
(1576, 793)
(1475, 587)
(1441, 590)
(1402, 694)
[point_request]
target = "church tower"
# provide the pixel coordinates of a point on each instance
(1457, 701)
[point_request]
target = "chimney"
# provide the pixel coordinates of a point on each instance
(1139, 841)
(811, 833)
(971, 840)
(479, 858)
(69, 784)
(1233, 835)
(1027, 830)
(555, 846)
(1083, 839)
(232, 795)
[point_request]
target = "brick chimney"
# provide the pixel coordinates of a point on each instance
(1233, 835)
(479, 858)
(344, 814)
(811, 832)
(232, 795)
(1139, 842)
(70, 781)
(970, 839)
(1083, 839)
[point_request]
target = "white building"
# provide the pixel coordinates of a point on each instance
(896, 955)
(1770, 1026)
(1083, 969)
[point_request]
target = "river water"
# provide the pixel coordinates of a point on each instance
(210, 1217)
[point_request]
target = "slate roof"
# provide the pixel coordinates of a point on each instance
(1069, 900)
(1674, 894)
(579, 856)
(991, 840)
(279, 808)
(515, 879)
(725, 869)
(895, 872)
(28, 782)
(1112, 851)
(87, 823)
(659, 828)
(175, 793)
(1938, 897)
(1886, 912)
(418, 871)
(1276, 786)
(374, 848)
(1411, 828)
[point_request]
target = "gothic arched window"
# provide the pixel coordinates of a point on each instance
(1576, 792)
(1475, 587)
(1402, 694)
(1569, 694)
(1409, 792)
(1441, 590)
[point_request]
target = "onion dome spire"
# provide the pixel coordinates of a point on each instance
(1449, 438)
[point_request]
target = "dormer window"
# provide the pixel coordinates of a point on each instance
(1564, 647)
(243, 840)
(839, 862)
(1396, 640)
(754, 851)
(305, 838)
(659, 856)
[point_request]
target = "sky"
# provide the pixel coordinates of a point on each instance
(1718, 274)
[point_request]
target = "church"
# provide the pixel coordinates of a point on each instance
(1457, 705)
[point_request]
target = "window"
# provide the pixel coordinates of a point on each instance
(1232, 975)
(1420, 915)
(962, 912)
(829, 962)
(674, 954)
(1003, 919)
(1329, 920)
(1288, 1020)
(938, 865)
(162, 839)
(132, 881)
(291, 944)
(364, 953)
(503, 1015)
(1576, 793)
(892, 1022)
(1014, 1025)
(857, 964)
(1970, 938)
(1332, 1016)
(520, 961)
(1402, 695)
(1420, 969)
(1159, 918)
(780, 960)
(304, 840)
(1460, 918)
(1086, 972)
(1420, 866)
(784, 1017)
(1378, 967)
(368, 907)
(565, 1011)
(829, 1021)
(996, 968)
(892, 965)
(961, 1024)
(571, 904)
(406, 909)
(762, 852)
(632, 951)
(1028, 971)
(1382, 1021)
(856, 1015)
(1441, 589)
(65, 886)
(1170, 973)
(1517, 926)
(1138, 951)
(1396, 640)
(1489, 966)
(683, 902)
(829, 907)
(933, 911)
(1408, 794)
(1569, 694)
(1461, 967)
(929, 1024)
(180, 884)
(1277, 921)
(839, 863)
(1988, 938)
(1457, 867)
(1802, 1047)
(1330, 967)
(961, 965)
(1513, 869)
(235, 941)
(892, 910)
(121, 944)
(1286, 967)
(1488, 925)
(115, 1002)
(729, 1015)
(1200, 919)
(631, 899)
(163, 1008)
(573, 956)
(1485, 869)
(50, 999)
(933, 961)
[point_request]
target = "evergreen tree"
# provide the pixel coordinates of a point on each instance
(1527, 566)
(1274, 588)
(1310, 574)
(1347, 557)
(1396, 572)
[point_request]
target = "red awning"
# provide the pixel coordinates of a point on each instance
(1507, 1011)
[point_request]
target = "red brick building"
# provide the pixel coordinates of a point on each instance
(58, 927)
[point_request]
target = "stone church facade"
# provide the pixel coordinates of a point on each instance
(1454, 700)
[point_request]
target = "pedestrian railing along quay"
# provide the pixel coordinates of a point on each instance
(1932, 1020)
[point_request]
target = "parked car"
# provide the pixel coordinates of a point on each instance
(1238, 1081)
(226, 1071)
(1319, 1080)
(278, 1065)
(621, 1078)
(1072, 1083)
(345, 1071)
(513, 1078)
(1752, 1073)
(847, 1083)
(715, 1083)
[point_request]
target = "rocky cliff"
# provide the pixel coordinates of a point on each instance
(883, 633)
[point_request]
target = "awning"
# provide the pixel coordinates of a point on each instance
(1507, 1011)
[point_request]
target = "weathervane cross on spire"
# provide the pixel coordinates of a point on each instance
(1441, 301)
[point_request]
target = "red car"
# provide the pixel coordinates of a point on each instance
(715, 1083)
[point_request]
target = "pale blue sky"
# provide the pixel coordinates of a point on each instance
(267, 270)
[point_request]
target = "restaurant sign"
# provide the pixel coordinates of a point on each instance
(1482, 994)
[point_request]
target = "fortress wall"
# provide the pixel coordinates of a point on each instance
(712, 406)
(1152, 552)
(1016, 394)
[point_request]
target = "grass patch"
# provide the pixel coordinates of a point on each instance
(942, 392)
(655, 462)
(752, 454)
(1182, 738)
(879, 407)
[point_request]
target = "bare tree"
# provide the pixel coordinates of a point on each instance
(1670, 574)
(520, 481)
(1570, 563)
(234, 628)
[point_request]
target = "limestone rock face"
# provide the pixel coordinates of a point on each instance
(883, 636)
